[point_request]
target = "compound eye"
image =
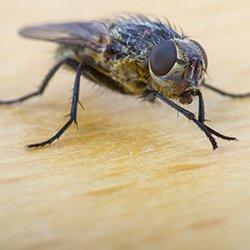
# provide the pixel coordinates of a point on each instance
(162, 58)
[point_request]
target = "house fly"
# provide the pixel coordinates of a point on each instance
(133, 55)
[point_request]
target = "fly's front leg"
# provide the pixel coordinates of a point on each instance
(224, 93)
(201, 109)
(189, 115)
(42, 87)
(73, 111)
(202, 119)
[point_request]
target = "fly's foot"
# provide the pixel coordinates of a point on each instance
(219, 135)
(38, 145)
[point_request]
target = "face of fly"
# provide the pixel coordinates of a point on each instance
(178, 66)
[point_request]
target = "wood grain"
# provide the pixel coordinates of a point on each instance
(133, 176)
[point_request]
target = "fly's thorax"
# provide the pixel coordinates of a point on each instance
(128, 69)
(178, 65)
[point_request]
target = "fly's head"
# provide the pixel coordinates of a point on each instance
(177, 67)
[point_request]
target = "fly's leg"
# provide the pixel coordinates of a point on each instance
(224, 93)
(42, 87)
(201, 119)
(187, 114)
(73, 111)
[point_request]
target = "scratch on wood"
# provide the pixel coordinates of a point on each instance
(185, 167)
(17, 179)
(208, 223)
(109, 190)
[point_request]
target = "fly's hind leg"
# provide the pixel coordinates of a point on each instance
(42, 87)
(224, 93)
(73, 111)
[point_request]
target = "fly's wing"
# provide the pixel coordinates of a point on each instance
(93, 35)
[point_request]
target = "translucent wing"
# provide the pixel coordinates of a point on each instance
(93, 35)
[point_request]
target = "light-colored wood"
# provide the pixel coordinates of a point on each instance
(133, 176)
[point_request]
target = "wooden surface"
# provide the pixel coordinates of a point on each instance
(134, 176)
